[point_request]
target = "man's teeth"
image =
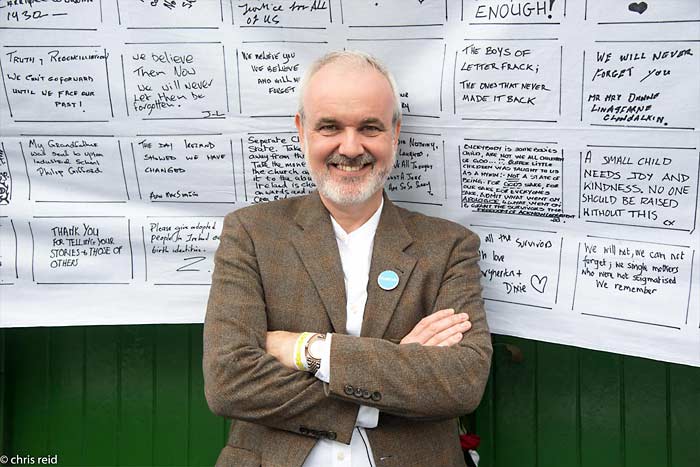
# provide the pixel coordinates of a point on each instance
(349, 168)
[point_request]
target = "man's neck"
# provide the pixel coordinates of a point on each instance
(352, 217)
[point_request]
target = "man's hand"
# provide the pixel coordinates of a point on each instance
(280, 344)
(442, 328)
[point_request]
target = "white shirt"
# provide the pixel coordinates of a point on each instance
(355, 256)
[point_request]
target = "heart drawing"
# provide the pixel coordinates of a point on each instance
(640, 7)
(538, 283)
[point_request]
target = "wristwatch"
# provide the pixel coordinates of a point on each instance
(312, 352)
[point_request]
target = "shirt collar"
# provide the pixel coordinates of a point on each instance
(368, 229)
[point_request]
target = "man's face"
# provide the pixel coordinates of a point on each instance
(347, 135)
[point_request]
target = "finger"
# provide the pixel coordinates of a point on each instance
(432, 319)
(455, 338)
(419, 329)
(439, 326)
(460, 327)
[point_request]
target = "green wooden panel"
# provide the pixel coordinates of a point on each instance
(137, 394)
(515, 437)
(66, 394)
(684, 411)
(484, 424)
(3, 385)
(171, 404)
(645, 414)
(205, 428)
(133, 395)
(557, 406)
(600, 401)
(28, 391)
(101, 395)
(225, 431)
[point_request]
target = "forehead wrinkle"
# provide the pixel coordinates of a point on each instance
(370, 94)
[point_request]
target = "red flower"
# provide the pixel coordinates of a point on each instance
(469, 441)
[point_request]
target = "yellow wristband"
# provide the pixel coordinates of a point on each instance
(299, 359)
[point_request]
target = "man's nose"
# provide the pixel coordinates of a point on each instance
(351, 144)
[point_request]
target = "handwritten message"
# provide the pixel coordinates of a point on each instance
(48, 83)
(632, 11)
(514, 11)
(171, 13)
(176, 81)
(271, 74)
(279, 13)
(506, 79)
(93, 166)
(181, 251)
(650, 187)
(418, 174)
(642, 84)
(35, 14)
(507, 270)
(5, 177)
(651, 279)
(185, 169)
(274, 167)
(87, 250)
(512, 178)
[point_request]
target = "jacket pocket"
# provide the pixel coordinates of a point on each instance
(238, 457)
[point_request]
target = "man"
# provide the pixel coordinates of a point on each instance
(338, 325)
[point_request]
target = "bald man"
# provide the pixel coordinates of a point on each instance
(343, 330)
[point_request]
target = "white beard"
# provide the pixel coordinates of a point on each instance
(352, 190)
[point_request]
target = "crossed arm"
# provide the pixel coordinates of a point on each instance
(427, 375)
(442, 328)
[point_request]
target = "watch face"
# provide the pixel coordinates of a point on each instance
(315, 348)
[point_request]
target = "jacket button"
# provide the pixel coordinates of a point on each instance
(366, 394)
(376, 396)
(358, 392)
(348, 389)
(332, 435)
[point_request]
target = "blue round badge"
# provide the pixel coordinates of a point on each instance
(388, 280)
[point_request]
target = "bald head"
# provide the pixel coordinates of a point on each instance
(350, 60)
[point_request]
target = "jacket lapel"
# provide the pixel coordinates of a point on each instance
(390, 241)
(318, 250)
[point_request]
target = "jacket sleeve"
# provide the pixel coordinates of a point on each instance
(243, 381)
(422, 382)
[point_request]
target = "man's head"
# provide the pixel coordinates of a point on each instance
(348, 119)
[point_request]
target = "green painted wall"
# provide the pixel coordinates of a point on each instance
(132, 395)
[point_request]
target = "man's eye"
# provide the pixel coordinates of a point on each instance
(371, 130)
(327, 128)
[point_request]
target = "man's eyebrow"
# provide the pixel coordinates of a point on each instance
(372, 121)
(326, 121)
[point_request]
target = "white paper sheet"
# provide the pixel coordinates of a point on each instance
(564, 133)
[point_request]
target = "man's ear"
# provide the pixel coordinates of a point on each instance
(397, 130)
(299, 123)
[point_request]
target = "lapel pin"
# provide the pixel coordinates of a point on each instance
(388, 280)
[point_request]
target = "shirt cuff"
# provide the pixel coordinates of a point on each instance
(367, 417)
(324, 371)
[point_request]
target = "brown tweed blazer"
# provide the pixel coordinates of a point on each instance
(278, 268)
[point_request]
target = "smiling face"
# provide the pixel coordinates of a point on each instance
(347, 135)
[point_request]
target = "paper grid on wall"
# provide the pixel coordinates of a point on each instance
(564, 133)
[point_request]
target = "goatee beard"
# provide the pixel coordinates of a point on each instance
(352, 190)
